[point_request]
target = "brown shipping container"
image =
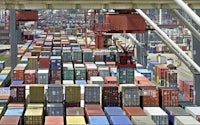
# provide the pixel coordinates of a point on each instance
(10, 120)
(92, 72)
(138, 79)
(160, 70)
(27, 15)
(30, 77)
(111, 80)
(54, 120)
(44, 62)
(17, 93)
(150, 96)
(134, 111)
(93, 110)
(19, 73)
(56, 74)
(71, 104)
(168, 96)
(75, 111)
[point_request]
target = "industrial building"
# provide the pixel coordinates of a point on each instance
(109, 62)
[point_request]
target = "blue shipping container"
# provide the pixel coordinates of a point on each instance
(147, 73)
(14, 111)
(80, 82)
(17, 82)
(98, 120)
(113, 111)
(120, 120)
(151, 64)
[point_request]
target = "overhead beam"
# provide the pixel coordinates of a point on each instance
(93, 4)
(171, 43)
(189, 11)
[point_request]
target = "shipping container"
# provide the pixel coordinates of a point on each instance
(55, 93)
(157, 115)
(98, 120)
(68, 71)
(130, 95)
(15, 111)
(75, 111)
(32, 62)
(194, 111)
(33, 116)
(17, 93)
(91, 70)
(92, 94)
(146, 73)
(110, 80)
(185, 120)
(97, 80)
(142, 120)
(182, 83)
(110, 96)
(125, 75)
(80, 72)
(65, 82)
(54, 120)
(175, 111)
(134, 111)
(77, 55)
(189, 91)
(30, 77)
(72, 93)
(10, 120)
(36, 90)
(104, 71)
(56, 62)
(75, 120)
(88, 55)
(120, 120)
(66, 55)
(93, 110)
(55, 109)
(43, 76)
(168, 96)
(113, 111)
(55, 75)
(44, 62)
(170, 77)
(19, 72)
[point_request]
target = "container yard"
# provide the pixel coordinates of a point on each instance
(99, 62)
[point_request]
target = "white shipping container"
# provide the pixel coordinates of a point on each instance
(97, 80)
(194, 111)
(185, 120)
(157, 114)
(43, 76)
(65, 82)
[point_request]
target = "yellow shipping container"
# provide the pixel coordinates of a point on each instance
(75, 120)
(72, 93)
(33, 62)
(35, 105)
(5, 71)
(33, 116)
(37, 93)
(39, 48)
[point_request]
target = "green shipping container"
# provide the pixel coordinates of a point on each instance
(125, 75)
(80, 73)
(88, 56)
(72, 93)
(37, 94)
(68, 72)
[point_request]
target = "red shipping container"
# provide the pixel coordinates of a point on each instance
(19, 73)
(111, 80)
(44, 62)
(145, 83)
(188, 91)
(160, 70)
(30, 76)
(10, 120)
(183, 82)
(92, 72)
(17, 93)
(110, 94)
(111, 64)
(134, 111)
(54, 120)
(93, 110)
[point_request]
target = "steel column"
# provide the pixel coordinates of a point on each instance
(13, 42)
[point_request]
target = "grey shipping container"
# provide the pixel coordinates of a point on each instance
(92, 94)
(185, 120)
(68, 72)
(43, 76)
(125, 75)
(142, 120)
(55, 109)
(104, 71)
(66, 56)
(55, 93)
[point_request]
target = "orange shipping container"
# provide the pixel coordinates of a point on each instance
(19, 73)
(30, 76)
